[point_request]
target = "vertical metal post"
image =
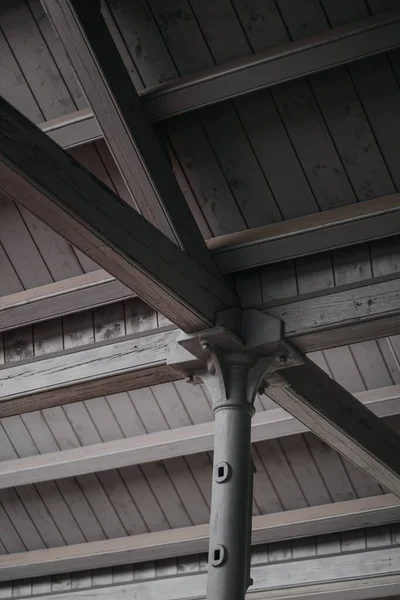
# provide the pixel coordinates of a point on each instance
(228, 574)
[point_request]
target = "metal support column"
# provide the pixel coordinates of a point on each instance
(228, 576)
(234, 357)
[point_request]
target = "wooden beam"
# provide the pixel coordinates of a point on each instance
(132, 139)
(339, 317)
(340, 420)
(60, 298)
(75, 129)
(55, 379)
(345, 315)
(35, 172)
(296, 59)
(270, 424)
(331, 229)
(320, 232)
(192, 540)
(261, 70)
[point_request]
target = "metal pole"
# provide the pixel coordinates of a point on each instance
(228, 574)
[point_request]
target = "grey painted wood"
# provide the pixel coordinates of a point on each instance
(265, 70)
(141, 447)
(81, 368)
(359, 575)
(122, 213)
(20, 247)
(340, 420)
(13, 85)
(32, 53)
(57, 299)
(141, 158)
(321, 232)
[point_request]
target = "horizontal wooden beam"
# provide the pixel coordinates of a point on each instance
(38, 174)
(304, 522)
(313, 323)
(131, 138)
(131, 362)
(74, 129)
(340, 420)
(261, 70)
(60, 298)
(345, 315)
(270, 424)
(320, 232)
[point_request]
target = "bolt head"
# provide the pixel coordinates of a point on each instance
(189, 379)
(205, 346)
(283, 360)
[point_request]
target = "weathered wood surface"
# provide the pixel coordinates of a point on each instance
(130, 136)
(190, 540)
(345, 316)
(170, 443)
(100, 224)
(61, 298)
(351, 576)
(134, 362)
(320, 232)
(340, 420)
(296, 59)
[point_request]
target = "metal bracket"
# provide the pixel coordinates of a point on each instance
(248, 333)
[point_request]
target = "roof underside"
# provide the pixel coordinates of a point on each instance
(298, 148)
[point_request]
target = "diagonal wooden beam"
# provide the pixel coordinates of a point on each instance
(300, 58)
(269, 424)
(136, 148)
(35, 172)
(340, 420)
(275, 527)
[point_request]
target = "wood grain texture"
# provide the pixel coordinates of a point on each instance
(333, 414)
(315, 233)
(60, 205)
(190, 540)
(183, 440)
(132, 140)
(57, 299)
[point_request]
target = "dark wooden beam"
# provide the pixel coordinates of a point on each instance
(300, 58)
(38, 174)
(303, 236)
(340, 420)
(131, 137)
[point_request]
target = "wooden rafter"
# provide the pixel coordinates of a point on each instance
(270, 424)
(136, 148)
(191, 540)
(39, 175)
(83, 292)
(300, 58)
(340, 420)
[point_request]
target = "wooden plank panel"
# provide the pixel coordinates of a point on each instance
(142, 447)
(55, 216)
(340, 420)
(35, 60)
(130, 136)
(189, 540)
(58, 299)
